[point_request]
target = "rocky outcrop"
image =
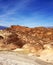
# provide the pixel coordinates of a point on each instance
(17, 36)
(36, 41)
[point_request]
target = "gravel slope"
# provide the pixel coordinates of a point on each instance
(14, 58)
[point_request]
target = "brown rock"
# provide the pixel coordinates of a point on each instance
(21, 35)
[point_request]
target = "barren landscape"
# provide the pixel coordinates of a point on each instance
(21, 45)
(14, 58)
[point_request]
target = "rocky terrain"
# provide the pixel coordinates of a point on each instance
(35, 41)
(20, 35)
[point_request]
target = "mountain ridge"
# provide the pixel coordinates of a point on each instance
(2, 27)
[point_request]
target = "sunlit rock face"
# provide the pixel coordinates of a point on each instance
(20, 36)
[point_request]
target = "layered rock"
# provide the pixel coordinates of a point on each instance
(20, 36)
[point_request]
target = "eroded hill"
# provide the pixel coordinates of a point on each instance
(35, 39)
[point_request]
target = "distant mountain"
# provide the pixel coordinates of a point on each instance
(2, 27)
(50, 27)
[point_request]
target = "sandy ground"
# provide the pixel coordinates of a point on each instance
(47, 55)
(14, 58)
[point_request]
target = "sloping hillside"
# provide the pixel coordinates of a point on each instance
(34, 41)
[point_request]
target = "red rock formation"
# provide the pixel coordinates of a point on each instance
(20, 28)
(21, 35)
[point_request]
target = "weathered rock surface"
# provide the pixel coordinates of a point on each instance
(17, 36)
(38, 40)
(14, 58)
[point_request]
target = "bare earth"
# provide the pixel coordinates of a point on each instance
(37, 41)
(14, 58)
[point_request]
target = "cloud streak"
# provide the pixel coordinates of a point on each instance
(17, 6)
(26, 12)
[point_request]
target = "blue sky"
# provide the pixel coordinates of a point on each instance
(29, 13)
